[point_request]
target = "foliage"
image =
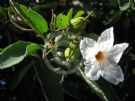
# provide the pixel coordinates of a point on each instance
(47, 41)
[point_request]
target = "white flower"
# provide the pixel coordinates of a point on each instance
(101, 57)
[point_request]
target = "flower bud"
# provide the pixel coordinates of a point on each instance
(77, 24)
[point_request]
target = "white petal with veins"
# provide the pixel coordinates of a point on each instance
(85, 46)
(106, 39)
(92, 71)
(116, 52)
(113, 74)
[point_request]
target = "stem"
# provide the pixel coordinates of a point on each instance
(52, 24)
(93, 85)
(84, 77)
(12, 3)
(16, 25)
(89, 14)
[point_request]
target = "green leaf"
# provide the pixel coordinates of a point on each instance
(70, 13)
(51, 83)
(62, 21)
(79, 14)
(15, 53)
(124, 4)
(39, 23)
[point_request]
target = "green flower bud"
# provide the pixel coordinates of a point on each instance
(72, 52)
(77, 24)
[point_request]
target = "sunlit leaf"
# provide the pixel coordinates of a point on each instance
(15, 53)
(70, 13)
(39, 23)
(79, 14)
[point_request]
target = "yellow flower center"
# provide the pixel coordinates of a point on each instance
(100, 56)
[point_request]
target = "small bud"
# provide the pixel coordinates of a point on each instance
(72, 52)
(77, 24)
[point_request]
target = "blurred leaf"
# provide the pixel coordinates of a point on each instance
(39, 23)
(2, 12)
(51, 83)
(70, 14)
(63, 43)
(61, 40)
(62, 21)
(15, 53)
(48, 5)
(124, 4)
(72, 88)
(93, 36)
(19, 73)
(113, 17)
(133, 71)
(102, 89)
(109, 92)
(3, 16)
(79, 14)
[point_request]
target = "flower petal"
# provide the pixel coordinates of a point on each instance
(85, 46)
(116, 52)
(106, 39)
(92, 71)
(112, 73)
